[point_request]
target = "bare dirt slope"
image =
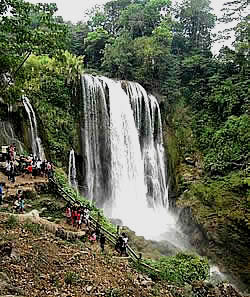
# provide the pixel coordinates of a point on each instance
(34, 262)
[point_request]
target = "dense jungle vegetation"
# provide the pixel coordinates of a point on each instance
(168, 49)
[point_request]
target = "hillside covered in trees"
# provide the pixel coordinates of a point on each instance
(204, 98)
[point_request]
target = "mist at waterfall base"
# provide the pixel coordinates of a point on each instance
(125, 170)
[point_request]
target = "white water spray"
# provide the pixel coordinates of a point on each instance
(72, 170)
(37, 149)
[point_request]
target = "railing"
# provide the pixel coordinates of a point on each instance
(94, 223)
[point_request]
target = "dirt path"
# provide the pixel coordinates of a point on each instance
(26, 183)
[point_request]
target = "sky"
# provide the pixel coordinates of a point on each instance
(73, 10)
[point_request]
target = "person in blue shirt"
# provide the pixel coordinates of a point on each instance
(1, 193)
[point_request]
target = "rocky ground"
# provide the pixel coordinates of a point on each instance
(35, 260)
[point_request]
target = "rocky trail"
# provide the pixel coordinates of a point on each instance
(35, 262)
(26, 183)
(40, 257)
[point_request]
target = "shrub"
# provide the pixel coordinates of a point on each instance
(180, 269)
(11, 222)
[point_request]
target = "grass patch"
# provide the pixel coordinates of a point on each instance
(72, 278)
(180, 269)
(11, 222)
(32, 227)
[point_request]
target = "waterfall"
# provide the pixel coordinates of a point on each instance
(72, 170)
(8, 136)
(124, 167)
(37, 149)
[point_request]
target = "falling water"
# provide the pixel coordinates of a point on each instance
(37, 148)
(124, 156)
(72, 170)
(8, 136)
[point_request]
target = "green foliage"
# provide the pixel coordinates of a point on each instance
(226, 195)
(229, 145)
(27, 29)
(48, 82)
(194, 25)
(113, 292)
(11, 222)
(119, 58)
(95, 43)
(179, 269)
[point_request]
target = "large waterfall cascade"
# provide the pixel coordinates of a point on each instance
(72, 170)
(124, 166)
(37, 149)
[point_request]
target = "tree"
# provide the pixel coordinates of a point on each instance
(119, 58)
(140, 19)
(77, 35)
(236, 12)
(192, 30)
(27, 29)
(95, 43)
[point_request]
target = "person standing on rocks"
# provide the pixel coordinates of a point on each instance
(1, 193)
(12, 172)
(102, 241)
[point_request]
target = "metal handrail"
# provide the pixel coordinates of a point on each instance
(95, 223)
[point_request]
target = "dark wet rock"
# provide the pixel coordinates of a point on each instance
(6, 249)
(69, 235)
(197, 236)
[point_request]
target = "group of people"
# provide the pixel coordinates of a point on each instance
(30, 165)
(122, 244)
(35, 167)
(78, 215)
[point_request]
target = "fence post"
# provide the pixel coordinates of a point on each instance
(118, 230)
(98, 217)
(140, 257)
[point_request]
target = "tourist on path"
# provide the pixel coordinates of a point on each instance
(1, 193)
(102, 241)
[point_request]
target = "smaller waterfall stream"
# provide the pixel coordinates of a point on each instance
(8, 136)
(72, 170)
(36, 142)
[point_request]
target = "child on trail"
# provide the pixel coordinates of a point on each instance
(68, 214)
(92, 237)
(21, 205)
(78, 219)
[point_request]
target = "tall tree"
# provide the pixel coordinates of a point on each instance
(192, 31)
